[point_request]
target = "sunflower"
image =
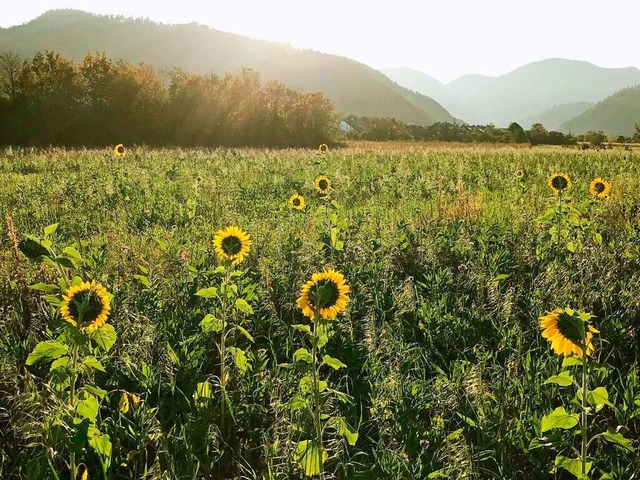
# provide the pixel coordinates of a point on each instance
(323, 148)
(296, 202)
(600, 188)
(119, 150)
(232, 244)
(86, 305)
(566, 331)
(559, 182)
(327, 292)
(519, 175)
(323, 185)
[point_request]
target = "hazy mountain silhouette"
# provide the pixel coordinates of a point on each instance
(524, 92)
(616, 114)
(555, 116)
(353, 87)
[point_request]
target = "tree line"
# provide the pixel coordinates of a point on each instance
(50, 100)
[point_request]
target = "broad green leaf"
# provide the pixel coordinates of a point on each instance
(144, 280)
(105, 337)
(333, 362)
(101, 444)
(243, 306)
(239, 358)
(341, 396)
(297, 403)
(343, 428)
(303, 328)
(571, 246)
(573, 466)
(93, 362)
(73, 253)
(322, 341)
(98, 392)
(88, 408)
(59, 363)
(559, 418)
(564, 379)
(611, 436)
(43, 287)
(244, 331)
(203, 390)
(207, 292)
(302, 355)
(47, 349)
(306, 385)
(599, 396)
(211, 324)
(311, 457)
(572, 360)
(51, 229)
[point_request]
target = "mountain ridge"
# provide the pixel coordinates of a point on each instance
(353, 87)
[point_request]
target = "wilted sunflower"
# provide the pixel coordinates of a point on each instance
(232, 244)
(324, 148)
(296, 202)
(119, 150)
(566, 330)
(559, 182)
(600, 188)
(323, 185)
(520, 174)
(86, 305)
(326, 292)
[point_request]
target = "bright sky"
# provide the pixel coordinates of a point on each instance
(445, 39)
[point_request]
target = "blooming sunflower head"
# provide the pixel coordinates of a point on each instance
(296, 202)
(232, 244)
(559, 182)
(86, 306)
(324, 148)
(323, 185)
(325, 293)
(600, 188)
(568, 332)
(519, 174)
(119, 150)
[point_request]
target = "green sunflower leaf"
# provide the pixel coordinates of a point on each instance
(599, 396)
(243, 306)
(244, 332)
(613, 437)
(211, 324)
(93, 362)
(302, 355)
(571, 361)
(207, 292)
(559, 418)
(573, 466)
(43, 287)
(333, 362)
(49, 230)
(564, 379)
(343, 428)
(240, 359)
(88, 408)
(311, 457)
(47, 349)
(105, 337)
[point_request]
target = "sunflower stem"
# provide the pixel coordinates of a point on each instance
(584, 410)
(316, 387)
(223, 349)
(72, 395)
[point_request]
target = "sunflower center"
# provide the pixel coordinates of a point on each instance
(559, 183)
(324, 294)
(599, 187)
(572, 328)
(323, 184)
(231, 245)
(296, 202)
(120, 149)
(85, 307)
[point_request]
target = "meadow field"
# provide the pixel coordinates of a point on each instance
(434, 366)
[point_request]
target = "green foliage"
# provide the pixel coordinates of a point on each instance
(444, 364)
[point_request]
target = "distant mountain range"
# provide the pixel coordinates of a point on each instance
(353, 87)
(615, 114)
(553, 90)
